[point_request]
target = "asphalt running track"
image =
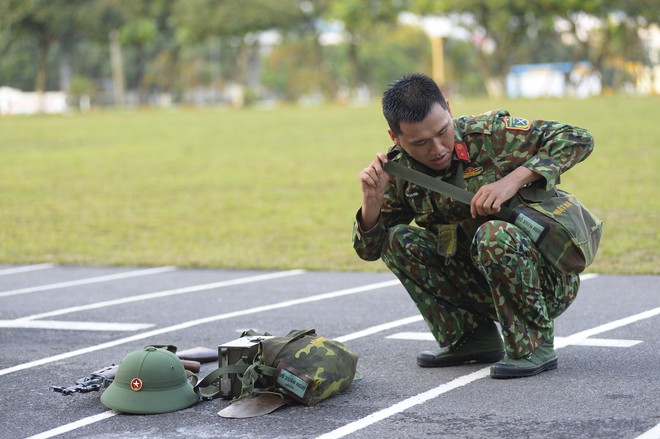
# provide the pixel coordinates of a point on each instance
(59, 323)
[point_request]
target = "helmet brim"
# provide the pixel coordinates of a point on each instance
(148, 401)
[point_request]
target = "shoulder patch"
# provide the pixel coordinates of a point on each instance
(517, 123)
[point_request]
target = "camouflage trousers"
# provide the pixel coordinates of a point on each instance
(500, 276)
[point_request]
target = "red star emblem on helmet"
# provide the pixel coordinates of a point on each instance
(136, 384)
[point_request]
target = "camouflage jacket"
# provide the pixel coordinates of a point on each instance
(496, 144)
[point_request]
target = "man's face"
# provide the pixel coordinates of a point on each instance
(429, 141)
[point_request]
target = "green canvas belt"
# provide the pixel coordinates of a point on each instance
(442, 187)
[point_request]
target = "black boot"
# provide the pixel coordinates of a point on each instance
(483, 345)
(541, 359)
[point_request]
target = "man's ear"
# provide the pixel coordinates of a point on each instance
(393, 136)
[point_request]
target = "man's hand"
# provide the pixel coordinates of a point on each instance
(373, 181)
(489, 198)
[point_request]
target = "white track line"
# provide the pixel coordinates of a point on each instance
(75, 425)
(73, 325)
(379, 328)
(653, 433)
(400, 406)
(466, 379)
(87, 281)
(405, 404)
(25, 268)
(197, 322)
(166, 293)
(355, 335)
(607, 342)
(582, 335)
(96, 418)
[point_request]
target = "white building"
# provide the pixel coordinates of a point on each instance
(14, 101)
(552, 80)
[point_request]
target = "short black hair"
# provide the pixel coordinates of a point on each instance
(410, 99)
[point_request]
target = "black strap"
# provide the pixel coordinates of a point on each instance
(398, 170)
(442, 187)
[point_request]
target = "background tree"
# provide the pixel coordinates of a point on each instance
(505, 32)
(392, 51)
(237, 27)
(606, 34)
(44, 22)
(176, 47)
(498, 30)
(360, 18)
(152, 35)
(12, 13)
(18, 50)
(100, 27)
(298, 68)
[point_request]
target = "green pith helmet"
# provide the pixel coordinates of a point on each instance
(150, 381)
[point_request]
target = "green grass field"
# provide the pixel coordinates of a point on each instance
(272, 189)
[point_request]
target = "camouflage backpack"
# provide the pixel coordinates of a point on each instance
(564, 230)
(301, 367)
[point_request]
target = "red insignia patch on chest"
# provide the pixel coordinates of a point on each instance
(461, 151)
(473, 172)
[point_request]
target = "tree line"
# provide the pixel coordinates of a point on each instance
(306, 49)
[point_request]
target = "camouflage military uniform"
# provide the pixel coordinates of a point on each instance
(461, 272)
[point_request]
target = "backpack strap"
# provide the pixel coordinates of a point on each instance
(208, 388)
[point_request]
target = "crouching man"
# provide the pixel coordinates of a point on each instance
(464, 270)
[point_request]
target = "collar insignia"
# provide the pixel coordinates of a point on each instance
(461, 151)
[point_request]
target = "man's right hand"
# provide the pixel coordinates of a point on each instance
(373, 181)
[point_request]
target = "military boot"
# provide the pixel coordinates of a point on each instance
(541, 359)
(483, 345)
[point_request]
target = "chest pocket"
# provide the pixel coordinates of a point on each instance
(418, 199)
(488, 175)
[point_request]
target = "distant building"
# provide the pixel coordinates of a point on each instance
(552, 80)
(14, 101)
